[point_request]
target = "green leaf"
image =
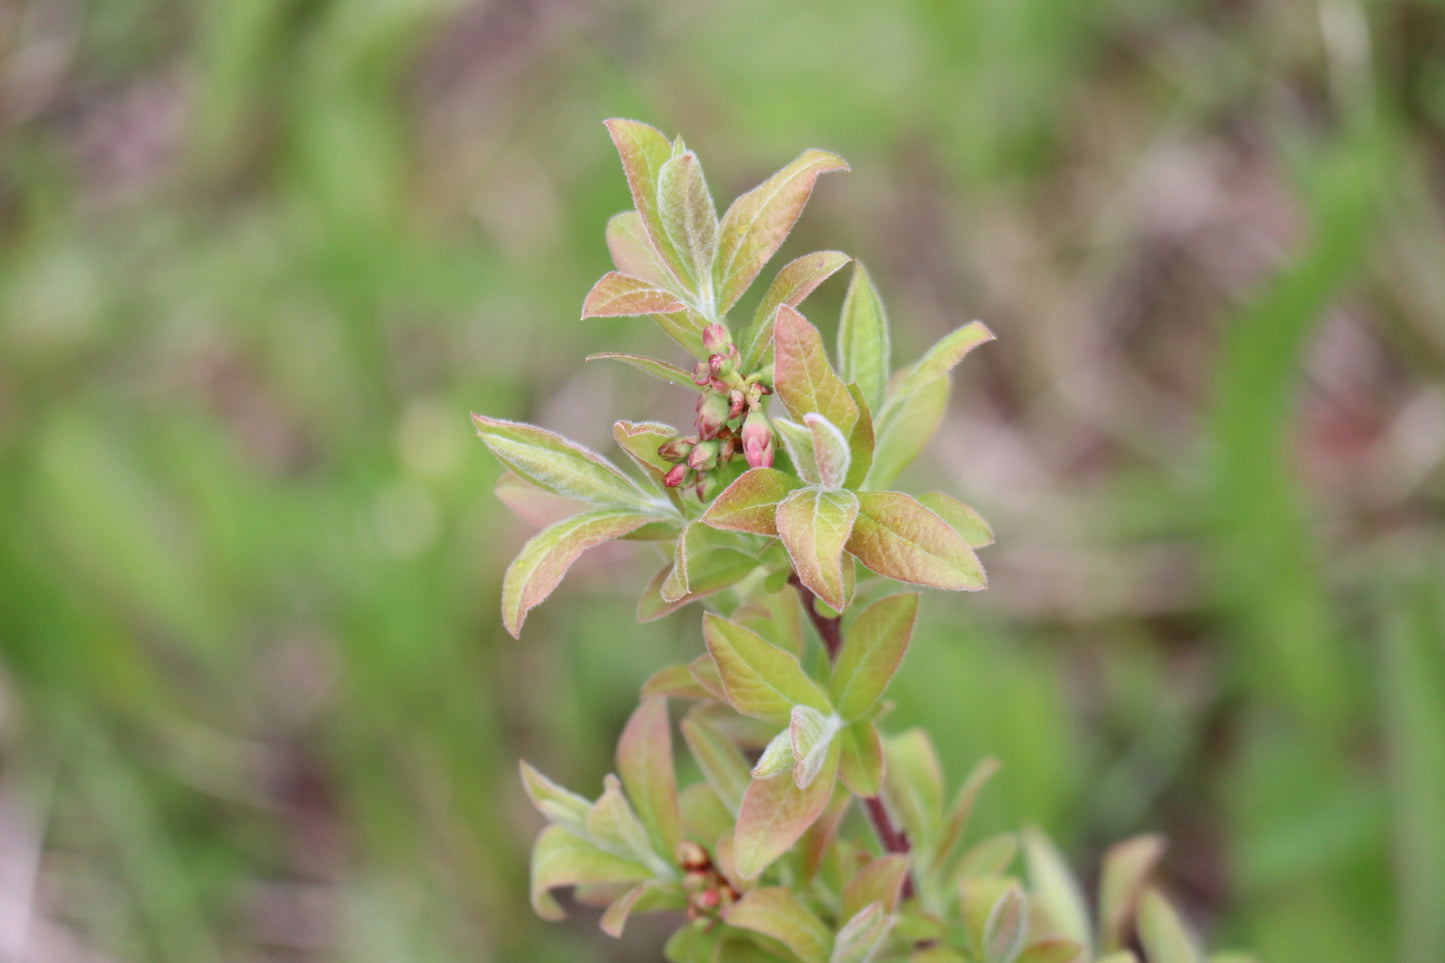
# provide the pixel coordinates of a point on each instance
(860, 765)
(860, 441)
(1003, 933)
(704, 815)
(777, 756)
(634, 255)
(780, 915)
(561, 858)
(775, 813)
(873, 648)
(879, 881)
(989, 857)
(830, 451)
(1053, 951)
(794, 282)
(559, 805)
(863, 349)
(798, 443)
(675, 682)
(644, 761)
(810, 736)
(658, 369)
(1162, 932)
(814, 526)
(965, 521)
(859, 939)
(564, 467)
(896, 536)
(939, 360)
(695, 546)
(688, 216)
(616, 295)
(910, 425)
(913, 784)
(704, 670)
(713, 573)
(977, 897)
(1123, 956)
(721, 762)
(685, 327)
(1057, 898)
(760, 679)
(644, 150)
(613, 825)
(750, 503)
(958, 812)
(802, 376)
(643, 898)
(1126, 869)
(538, 569)
(757, 222)
(534, 505)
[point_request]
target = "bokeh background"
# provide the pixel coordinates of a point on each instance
(259, 258)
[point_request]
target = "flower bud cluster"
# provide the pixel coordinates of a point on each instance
(708, 891)
(729, 419)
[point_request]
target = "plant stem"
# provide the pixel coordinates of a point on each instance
(830, 630)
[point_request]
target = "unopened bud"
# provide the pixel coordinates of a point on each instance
(736, 401)
(712, 415)
(676, 475)
(691, 856)
(676, 449)
(701, 373)
(704, 456)
(707, 486)
(715, 339)
(758, 440)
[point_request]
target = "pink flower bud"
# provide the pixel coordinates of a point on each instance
(736, 400)
(676, 475)
(715, 339)
(712, 415)
(701, 373)
(704, 456)
(676, 449)
(758, 440)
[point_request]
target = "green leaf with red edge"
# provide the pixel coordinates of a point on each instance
(1162, 932)
(830, 451)
(1006, 926)
(722, 763)
(873, 648)
(534, 505)
(860, 938)
(817, 841)
(780, 915)
(798, 446)
(634, 255)
(713, 573)
(685, 327)
(615, 295)
(860, 764)
(704, 669)
(1060, 908)
(643, 898)
(794, 282)
(977, 897)
(760, 679)
(967, 522)
(863, 346)
(880, 880)
(750, 503)
(1126, 869)
(802, 375)
(675, 682)
(958, 812)
(565, 468)
(1053, 951)
(913, 785)
(644, 150)
(688, 216)
(544, 560)
(757, 222)
(777, 617)
(614, 825)
(860, 441)
(896, 536)
(644, 761)
(940, 359)
(558, 804)
(910, 426)
(562, 858)
(696, 561)
(658, 369)
(814, 526)
(775, 813)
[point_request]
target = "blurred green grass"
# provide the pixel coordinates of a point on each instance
(258, 259)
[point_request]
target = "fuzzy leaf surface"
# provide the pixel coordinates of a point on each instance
(721, 762)
(777, 913)
(613, 825)
(894, 535)
(775, 813)
(863, 346)
(860, 764)
(545, 559)
(798, 443)
(861, 441)
(644, 761)
(860, 939)
(658, 369)
(1057, 897)
(564, 467)
(964, 519)
(750, 503)
(794, 282)
(644, 150)
(643, 898)
(940, 359)
(814, 526)
(802, 375)
(690, 219)
(757, 222)
(676, 682)
(558, 804)
(760, 679)
(1126, 870)
(810, 734)
(873, 648)
(831, 452)
(561, 858)
(615, 295)
(903, 430)
(534, 505)
(633, 253)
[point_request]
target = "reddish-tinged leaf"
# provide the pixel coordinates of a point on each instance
(896, 536)
(644, 898)
(689, 218)
(618, 296)
(873, 647)
(860, 938)
(644, 761)
(760, 679)
(913, 785)
(777, 913)
(658, 369)
(802, 375)
(543, 561)
(685, 327)
(564, 467)
(959, 810)
(816, 841)
(814, 526)
(775, 813)
(757, 222)
(1053, 951)
(879, 881)
(562, 858)
(962, 517)
(863, 347)
(558, 804)
(810, 734)
(721, 762)
(1127, 866)
(750, 503)
(633, 254)
(861, 764)
(675, 682)
(1165, 937)
(830, 451)
(1059, 905)
(860, 442)
(534, 505)
(706, 560)
(704, 670)
(793, 283)
(644, 150)
(798, 444)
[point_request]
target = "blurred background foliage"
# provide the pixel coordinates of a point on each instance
(259, 258)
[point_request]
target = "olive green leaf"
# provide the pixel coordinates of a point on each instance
(814, 526)
(559, 805)
(644, 151)
(779, 914)
(894, 535)
(863, 348)
(658, 369)
(644, 761)
(873, 647)
(750, 503)
(967, 522)
(802, 376)
(562, 858)
(689, 217)
(810, 734)
(831, 453)
(913, 785)
(775, 813)
(794, 282)
(721, 762)
(798, 443)
(534, 505)
(860, 938)
(633, 253)
(860, 764)
(880, 881)
(760, 679)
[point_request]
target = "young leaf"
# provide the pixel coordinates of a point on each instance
(814, 526)
(896, 536)
(958, 812)
(757, 222)
(613, 825)
(940, 359)
(644, 761)
(777, 913)
(1003, 933)
(543, 561)
(830, 451)
(633, 253)
(962, 517)
(977, 897)
(675, 682)
(793, 283)
(913, 784)
(643, 898)
(750, 503)
(1053, 951)
(860, 764)
(860, 441)
(989, 857)
(1056, 893)
(689, 218)
(859, 939)
(616, 295)
(564, 467)
(863, 349)
(658, 369)
(644, 150)
(873, 647)
(704, 815)
(562, 858)
(720, 760)
(802, 375)
(534, 505)
(798, 443)
(810, 735)
(704, 670)
(905, 432)
(879, 881)
(777, 757)
(559, 805)
(1165, 938)
(761, 680)
(775, 813)
(694, 544)
(1127, 866)
(686, 328)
